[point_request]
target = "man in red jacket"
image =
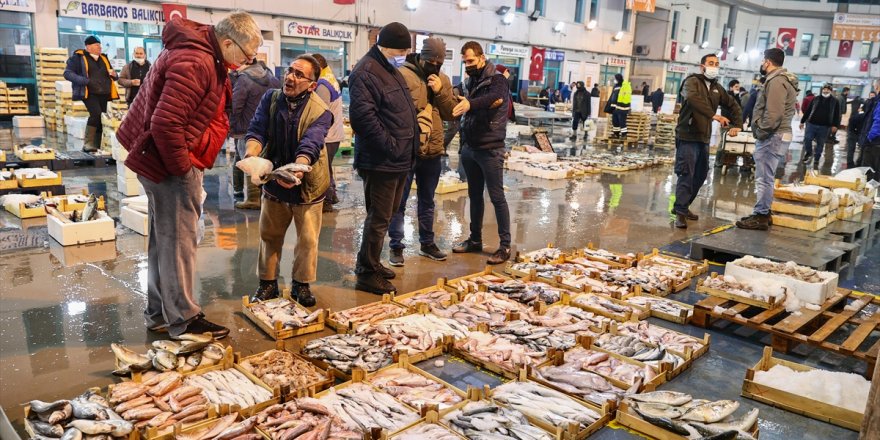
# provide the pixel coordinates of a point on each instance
(172, 133)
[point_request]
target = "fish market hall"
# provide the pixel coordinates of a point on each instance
(439, 219)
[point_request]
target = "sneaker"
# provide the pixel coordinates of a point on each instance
(201, 325)
(500, 256)
(396, 258)
(468, 246)
(681, 221)
(237, 194)
(433, 252)
(386, 273)
(573, 137)
(374, 283)
(755, 221)
(302, 293)
(268, 289)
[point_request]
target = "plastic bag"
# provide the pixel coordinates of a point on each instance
(256, 167)
(852, 174)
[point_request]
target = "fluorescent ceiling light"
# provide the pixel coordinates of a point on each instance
(685, 48)
(704, 45)
(850, 64)
(464, 4)
(730, 49)
(754, 53)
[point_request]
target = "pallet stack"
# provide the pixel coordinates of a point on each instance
(638, 127)
(110, 121)
(4, 101)
(855, 197)
(50, 68)
(665, 136)
(14, 101)
(806, 207)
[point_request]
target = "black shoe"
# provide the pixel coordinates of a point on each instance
(267, 290)
(816, 165)
(468, 246)
(755, 221)
(433, 252)
(806, 158)
(573, 137)
(500, 256)
(681, 221)
(690, 215)
(237, 194)
(334, 199)
(302, 294)
(386, 273)
(396, 258)
(202, 325)
(328, 207)
(374, 283)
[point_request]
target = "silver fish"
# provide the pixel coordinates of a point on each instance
(83, 409)
(72, 434)
(164, 360)
(668, 397)
(659, 410)
(711, 412)
(91, 209)
(165, 344)
(40, 407)
(190, 347)
(134, 360)
(46, 429)
(196, 337)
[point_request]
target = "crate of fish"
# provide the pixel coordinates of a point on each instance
(65, 230)
(420, 335)
(7, 178)
(566, 416)
(614, 259)
(648, 353)
(78, 202)
(414, 386)
(691, 347)
(27, 205)
(764, 294)
(662, 308)
(438, 294)
(695, 268)
(347, 320)
(470, 283)
(834, 397)
(37, 177)
(654, 279)
(283, 318)
(554, 271)
(488, 308)
(478, 417)
(625, 372)
(615, 309)
(235, 386)
(225, 426)
(542, 255)
(429, 428)
(195, 352)
(365, 408)
(569, 319)
(304, 417)
(280, 368)
(88, 414)
(527, 290)
(671, 415)
(33, 152)
(507, 348)
(340, 353)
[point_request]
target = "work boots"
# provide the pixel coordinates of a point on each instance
(251, 197)
(681, 221)
(237, 182)
(267, 290)
(759, 222)
(302, 293)
(91, 143)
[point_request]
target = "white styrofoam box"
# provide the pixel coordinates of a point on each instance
(123, 172)
(76, 126)
(743, 137)
(135, 220)
(535, 157)
(27, 121)
(129, 187)
(734, 147)
(750, 148)
(118, 152)
(815, 293)
(100, 229)
(28, 132)
(84, 253)
(64, 86)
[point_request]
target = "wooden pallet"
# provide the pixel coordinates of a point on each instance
(767, 305)
(813, 327)
(831, 182)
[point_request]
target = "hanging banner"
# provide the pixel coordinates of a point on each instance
(864, 64)
(18, 5)
(536, 66)
(127, 12)
(724, 43)
(641, 5)
(862, 27)
(785, 40)
(554, 55)
(321, 31)
(674, 50)
(845, 48)
(678, 68)
(173, 10)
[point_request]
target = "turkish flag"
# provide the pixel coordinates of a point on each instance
(344, 2)
(845, 48)
(863, 65)
(674, 50)
(536, 67)
(172, 11)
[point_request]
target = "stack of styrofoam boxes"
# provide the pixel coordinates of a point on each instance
(814, 293)
(116, 110)
(135, 219)
(66, 106)
(76, 126)
(742, 143)
(126, 180)
(805, 207)
(51, 62)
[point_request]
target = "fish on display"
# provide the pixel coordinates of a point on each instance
(536, 338)
(344, 351)
(87, 414)
(500, 350)
(431, 298)
(473, 284)
(656, 334)
(369, 313)
(610, 366)
(423, 431)
(415, 333)
(225, 428)
(482, 307)
(660, 304)
(608, 255)
(361, 408)
(680, 413)
(636, 349)
(569, 319)
(570, 378)
(196, 351)
(288, 313)
(278, 368)
(482, 419)
(527, 292)
(90, 212)
(304, 418)
(414, 389)
(159, 401)
(229, 386)
(545, 404)
(547, 253)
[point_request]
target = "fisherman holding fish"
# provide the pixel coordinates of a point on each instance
(289, 127)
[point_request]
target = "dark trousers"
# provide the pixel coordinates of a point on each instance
(871, 158)
(691, 167)
(618, 121)
(332, 148)
(851, 140)
(427, 176)
(96, 104)
(382, 194)
(577, 118)
(819, 133)
(485, 169)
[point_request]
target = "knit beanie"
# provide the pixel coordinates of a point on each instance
(433, 50)
(395, 36)
(91, 39)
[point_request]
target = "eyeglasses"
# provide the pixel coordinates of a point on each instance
(249, 57)
(298, 74)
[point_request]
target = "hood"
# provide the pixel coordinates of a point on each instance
(412, 63)
(187, 34)
(258, 73)
(377, 55)
(792, 78)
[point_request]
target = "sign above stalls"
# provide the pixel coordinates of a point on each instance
(18, 5)
(615, 61)
(678, 68)
(128, 12)
(555, 55)
(320, 31)
(859, 27)
(508, 50)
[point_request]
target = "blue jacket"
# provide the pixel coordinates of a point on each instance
(310, 145)
(247, 91)
(871, 125)
(382, 115)
(484, 126)
(77, 72)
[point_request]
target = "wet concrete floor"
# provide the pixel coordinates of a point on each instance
(60, 308)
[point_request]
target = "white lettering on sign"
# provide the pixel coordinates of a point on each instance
(321, 31)
(18, 5)
(111, 11)
(507, 50)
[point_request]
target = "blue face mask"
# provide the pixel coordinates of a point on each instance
(397, 62)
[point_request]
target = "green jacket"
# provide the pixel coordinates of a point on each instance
(699, 103)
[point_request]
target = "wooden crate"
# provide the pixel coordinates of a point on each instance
(406, 362)
(349, 327)
(831, 182)
(688, 354)
(811, 224)
(638, 313)
(620, 260)
(792, 402)
(783, 192)
(770, 304)
(36, 183)
(309, 389)
(33, 156)
(510, 373)
(627, 417)
(480, 395)
(696, 267)
(414, 306)
(65, 205)
(683, 317)
(253, 409)
(585, 342)
(226, 362)
(277, 330)
(430, 418)
(798, 208)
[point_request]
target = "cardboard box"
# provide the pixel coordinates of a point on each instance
(135, 220)
(101, 229)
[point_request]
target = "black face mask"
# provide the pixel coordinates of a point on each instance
(473, 71)
(762, 70)
(430, 69)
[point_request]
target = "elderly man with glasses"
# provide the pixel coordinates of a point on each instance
(290, 126)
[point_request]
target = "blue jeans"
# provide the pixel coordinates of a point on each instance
(427, 176)
(768, 154)
(819, 133)
(485, 169)
(691, 167)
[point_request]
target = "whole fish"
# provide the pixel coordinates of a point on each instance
(91, 209)
(673, 398)
(83, 409)
(135, 361)
(664, 423)
(189, 347)
(40, 407)
(165, 344)
(196, 337)
(164, 360)
(238, 429)
(659, 410)
(72, 434)
(57, 415)
(711, 412)
(46, 429)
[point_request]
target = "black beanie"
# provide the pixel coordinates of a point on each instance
(91, 39)
(619, 78)
(775, 55)
(394, 36)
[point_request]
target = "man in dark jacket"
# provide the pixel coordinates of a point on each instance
(750, 104)
(133, 74)
(289, 130)
(822, 116)
(384, 121)
(172, 132)
(701, 95)
(645, 90)
(595, 91)
(431, 92)
(869, 140)
(483, 129)
(580, 109)
(94, 84)
(247, 91)
(657, 100)
(853, 131)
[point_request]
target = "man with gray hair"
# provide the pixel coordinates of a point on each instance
(173, 132)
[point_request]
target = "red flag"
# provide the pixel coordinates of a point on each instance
(863, 65)
(536, 68)
(344, 2)
(172, 11)
(674, 50)
(845, 48)
(785, 40)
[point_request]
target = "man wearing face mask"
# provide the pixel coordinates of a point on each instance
(483, 129)
(290, 126)
(821, 116)
(771, 125)
(700, 97)
(173, 132)
(387, 139)
(133, 74)
(92, 78)
(580, 109)
(431, 92)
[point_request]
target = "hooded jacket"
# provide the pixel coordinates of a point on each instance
(382, 116)
(775, 104)
(822, 111)
(328, 90)
(700, 99)
(77, 72)
(484, 126)
(249, 88)
(581, 102)
(442, 104)
(179, 119)
(870, 135)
